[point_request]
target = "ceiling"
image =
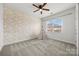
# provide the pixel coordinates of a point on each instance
(54, 8)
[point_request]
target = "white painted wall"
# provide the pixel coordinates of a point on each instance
(1, 26)
(68, 33)
(78, 28)
(19, 26)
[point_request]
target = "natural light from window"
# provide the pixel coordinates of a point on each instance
(54, 25)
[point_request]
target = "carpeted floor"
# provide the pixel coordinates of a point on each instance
(37, 47)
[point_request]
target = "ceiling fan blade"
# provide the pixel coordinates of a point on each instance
(45, 9)
(44, 4)
(36, 10)
(35, 5)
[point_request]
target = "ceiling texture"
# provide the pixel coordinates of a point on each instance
(28, 8)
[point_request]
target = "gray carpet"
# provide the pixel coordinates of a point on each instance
(39, 48)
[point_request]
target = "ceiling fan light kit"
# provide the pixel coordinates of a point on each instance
(40, 7)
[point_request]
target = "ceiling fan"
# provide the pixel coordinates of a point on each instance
(40, 7)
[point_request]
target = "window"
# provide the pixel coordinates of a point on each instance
(54, 25)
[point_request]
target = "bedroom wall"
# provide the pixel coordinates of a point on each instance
(68, 32)
(19, 26)
(1, 26)
(78, 28)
